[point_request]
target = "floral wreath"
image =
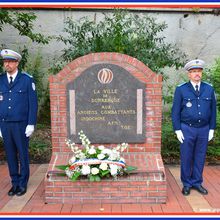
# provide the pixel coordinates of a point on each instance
(95, 162)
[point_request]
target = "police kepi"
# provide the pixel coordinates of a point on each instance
(7, 54)
(18, 116)
(194, 64)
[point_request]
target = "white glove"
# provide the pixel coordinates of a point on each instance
(211, 134)
(29, 130)
(179, 135)
(0, 133)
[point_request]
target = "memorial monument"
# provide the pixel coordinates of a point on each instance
(113, 98)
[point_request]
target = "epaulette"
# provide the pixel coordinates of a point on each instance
(208, 84)
(27, 74)
(182, 84)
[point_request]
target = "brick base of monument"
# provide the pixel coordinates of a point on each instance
(146, 185)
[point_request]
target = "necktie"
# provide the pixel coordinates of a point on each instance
(11, 81)
(197, 90)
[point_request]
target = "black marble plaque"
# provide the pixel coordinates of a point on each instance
(107, 103)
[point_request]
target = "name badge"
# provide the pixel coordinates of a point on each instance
(189, 104)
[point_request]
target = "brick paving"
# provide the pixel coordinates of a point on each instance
(33, 202)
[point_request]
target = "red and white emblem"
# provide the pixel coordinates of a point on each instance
(105, 76)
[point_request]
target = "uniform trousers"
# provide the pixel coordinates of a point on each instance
(193, 154)
(16, 148)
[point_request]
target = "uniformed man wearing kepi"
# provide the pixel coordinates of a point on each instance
(18, 116)
(194, 121)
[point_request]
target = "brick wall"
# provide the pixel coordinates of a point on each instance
(150, 179)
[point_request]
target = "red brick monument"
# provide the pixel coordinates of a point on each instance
(113, 98)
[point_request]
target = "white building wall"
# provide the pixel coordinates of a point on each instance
(196, 33)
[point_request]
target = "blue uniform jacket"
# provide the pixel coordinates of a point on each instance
(18, 102)
(192, 109)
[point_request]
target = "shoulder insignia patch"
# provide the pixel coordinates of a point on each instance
(27, 74)
(182, 84)
(208, 84)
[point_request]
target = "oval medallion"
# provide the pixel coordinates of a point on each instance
(188, 104)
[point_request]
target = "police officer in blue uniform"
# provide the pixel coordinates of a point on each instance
(194, 121)
(18, 116)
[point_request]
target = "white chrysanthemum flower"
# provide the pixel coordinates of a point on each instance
(77, 156)
(94, 171)
(106, 151)
(71, 145)
(124, 146)
(101, 147)
(101, 156)
(69, 173)
(118, 147)
(113, 169)
(81, 156)
(114, 155)
(103, 166)
(85, 170)
(72, 160)
(78, 152)
(91, 151)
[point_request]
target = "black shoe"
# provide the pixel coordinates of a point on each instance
(201, 189)
(13, 191)
(21, 191)
(186, 190)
